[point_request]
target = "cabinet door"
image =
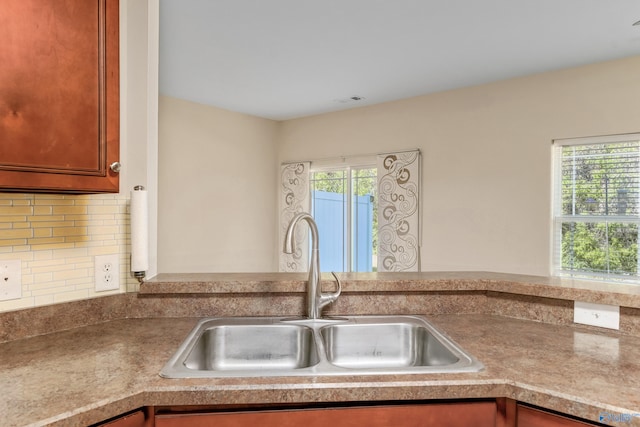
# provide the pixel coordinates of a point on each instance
(59, 95)
(135, 419)
(477, 414)
(530, 417)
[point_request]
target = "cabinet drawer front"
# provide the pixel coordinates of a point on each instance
(530, 417)
(135, 419)
(476, 414)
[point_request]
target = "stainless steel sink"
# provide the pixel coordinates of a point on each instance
(242, 347)
(225, 347)
(378, 344)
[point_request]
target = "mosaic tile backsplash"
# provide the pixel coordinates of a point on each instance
(56, 237)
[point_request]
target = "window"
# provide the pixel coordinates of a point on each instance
(344, 207)
(367, 209)
(596, 212)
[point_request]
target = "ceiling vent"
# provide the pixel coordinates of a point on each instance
(350, 99)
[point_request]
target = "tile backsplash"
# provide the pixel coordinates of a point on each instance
(56, 238)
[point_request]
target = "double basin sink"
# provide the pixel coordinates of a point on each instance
(272, 346)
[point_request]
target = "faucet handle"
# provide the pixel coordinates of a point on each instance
(337, 293)
(328, 298)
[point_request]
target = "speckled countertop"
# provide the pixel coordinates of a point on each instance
(618, 293)
(81, 362)
(84, 375)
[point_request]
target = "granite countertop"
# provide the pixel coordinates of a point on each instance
(88, 374)
(613, 293)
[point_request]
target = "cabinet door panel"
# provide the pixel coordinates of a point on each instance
(135, 419)
(59, 95)
(530, 417)
(477, 414)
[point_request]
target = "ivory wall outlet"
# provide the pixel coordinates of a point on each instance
(602, 315)
(10, 279)
(107, 269)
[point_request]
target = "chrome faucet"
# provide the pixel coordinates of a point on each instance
(315, 298)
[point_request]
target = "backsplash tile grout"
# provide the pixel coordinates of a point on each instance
(56, 237)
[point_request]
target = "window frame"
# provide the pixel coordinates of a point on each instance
(558, 218)
(347, 166)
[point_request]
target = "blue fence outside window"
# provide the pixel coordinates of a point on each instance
(330, 215)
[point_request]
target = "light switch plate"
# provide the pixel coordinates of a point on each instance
(10, 279)
(602, 315)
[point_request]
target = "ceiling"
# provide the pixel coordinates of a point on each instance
(283, 59)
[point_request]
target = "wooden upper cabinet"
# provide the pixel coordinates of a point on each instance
(59, 95)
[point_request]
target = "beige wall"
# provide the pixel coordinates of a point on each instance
(486, 167)
(486, 156)
(217, 189)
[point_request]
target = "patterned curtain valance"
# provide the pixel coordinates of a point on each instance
(398, 211)
(294, 198)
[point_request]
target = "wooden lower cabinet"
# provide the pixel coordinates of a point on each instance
(458, 414)
(133, 419)
(532, 417)
(500, 412)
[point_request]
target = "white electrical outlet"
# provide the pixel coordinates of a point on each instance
(10, 279)
(604, 316)
(107, 269)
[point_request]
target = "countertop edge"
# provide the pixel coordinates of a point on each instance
(444, 390)
(175, 284)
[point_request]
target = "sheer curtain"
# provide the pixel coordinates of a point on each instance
(294, 198)
(398, 211)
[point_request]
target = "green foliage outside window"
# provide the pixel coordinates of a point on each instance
(600, 247)
(600, 190)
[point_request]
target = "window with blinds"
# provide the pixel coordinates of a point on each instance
(596, 207)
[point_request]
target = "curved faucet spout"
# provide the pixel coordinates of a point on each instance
(289, 240)
(315, 298)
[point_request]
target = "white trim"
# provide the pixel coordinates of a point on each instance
(343, 167)
(153, 55)
(343, 162)
(348, 253)
(599, 277)
(552, 212)
(603, 139)
(420, 209)
(618, 219)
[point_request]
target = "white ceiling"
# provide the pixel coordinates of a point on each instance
(282, 59)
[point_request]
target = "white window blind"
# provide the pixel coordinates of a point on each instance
(596, 207)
